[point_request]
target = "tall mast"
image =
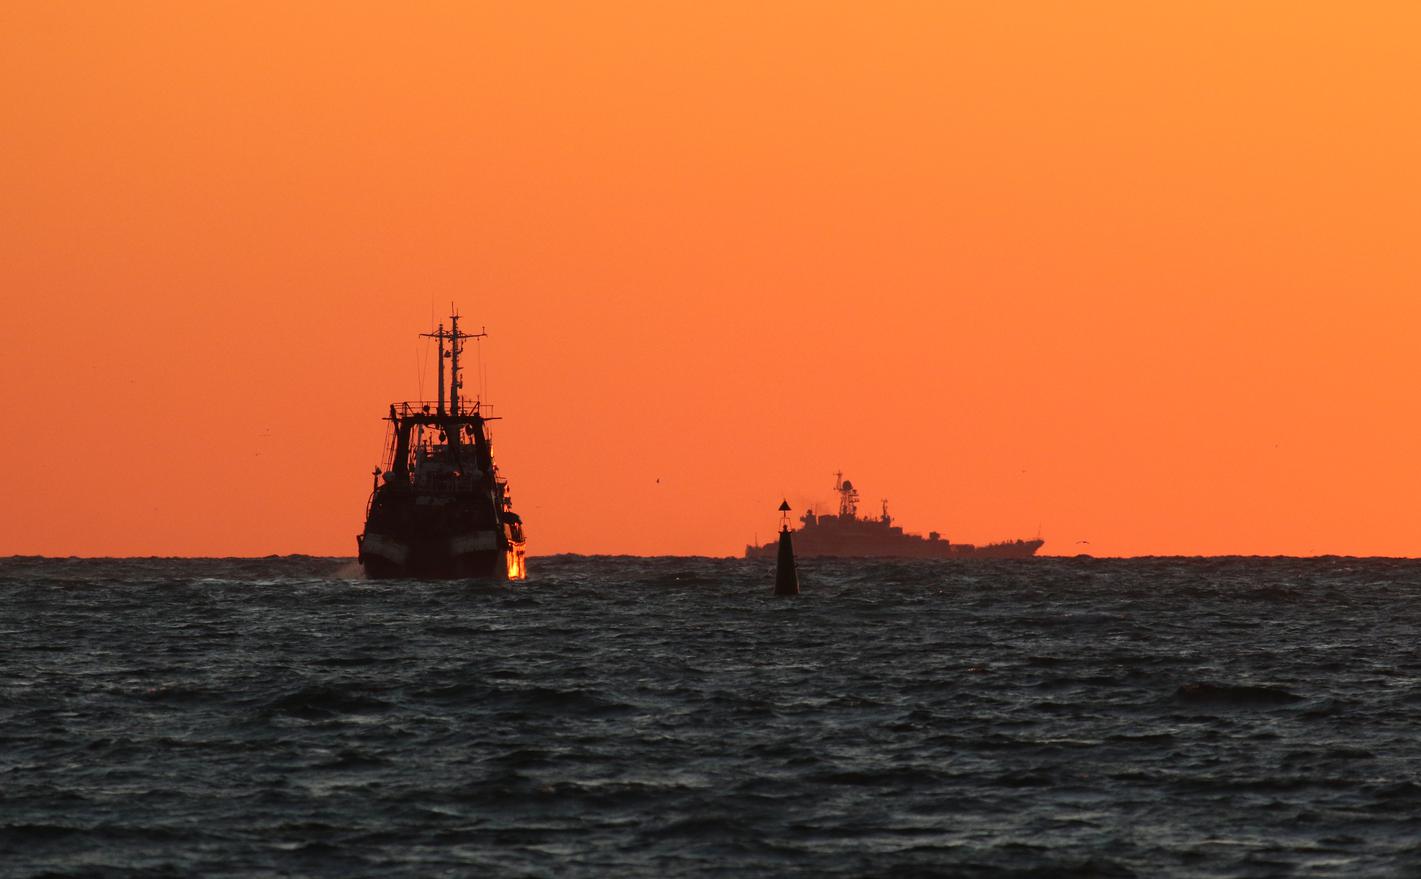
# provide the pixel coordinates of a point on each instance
(454, 365)
(456, 344)
(441, 369)
(441, 337)
(848, 496)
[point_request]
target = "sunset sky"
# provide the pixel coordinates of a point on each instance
(1129, 273)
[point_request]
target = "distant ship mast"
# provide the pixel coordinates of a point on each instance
(848, 496)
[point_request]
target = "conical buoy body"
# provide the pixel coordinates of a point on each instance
(786, 578)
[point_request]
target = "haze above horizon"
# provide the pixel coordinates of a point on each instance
(1140, 276)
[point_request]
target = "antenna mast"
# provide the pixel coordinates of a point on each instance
(440, 335)
(456, 344)
(848, 496)
(454, 380)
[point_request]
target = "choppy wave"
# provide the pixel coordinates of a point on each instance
(653, 717)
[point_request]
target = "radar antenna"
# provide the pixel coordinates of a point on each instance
(848, 496)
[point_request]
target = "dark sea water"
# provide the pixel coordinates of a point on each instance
(669, 717)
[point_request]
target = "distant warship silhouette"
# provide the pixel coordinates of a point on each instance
(848, 536)
(439, 509)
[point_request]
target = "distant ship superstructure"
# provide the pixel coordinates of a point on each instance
(439, 508)
(846, 535)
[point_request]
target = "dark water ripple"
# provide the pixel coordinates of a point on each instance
(633, 717)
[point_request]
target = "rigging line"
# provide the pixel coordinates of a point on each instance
(387, 446)
(421, 360)
(483, 379)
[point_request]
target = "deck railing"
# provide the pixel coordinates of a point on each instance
(429, 407)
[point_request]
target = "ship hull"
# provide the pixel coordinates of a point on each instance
(849, 536)
(387, 557)
(810, 546)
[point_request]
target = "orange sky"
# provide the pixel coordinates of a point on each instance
(1144, 277)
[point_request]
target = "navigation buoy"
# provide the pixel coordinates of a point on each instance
(786, 579)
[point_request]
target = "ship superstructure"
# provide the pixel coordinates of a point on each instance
(439, 508)
(847, 535)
